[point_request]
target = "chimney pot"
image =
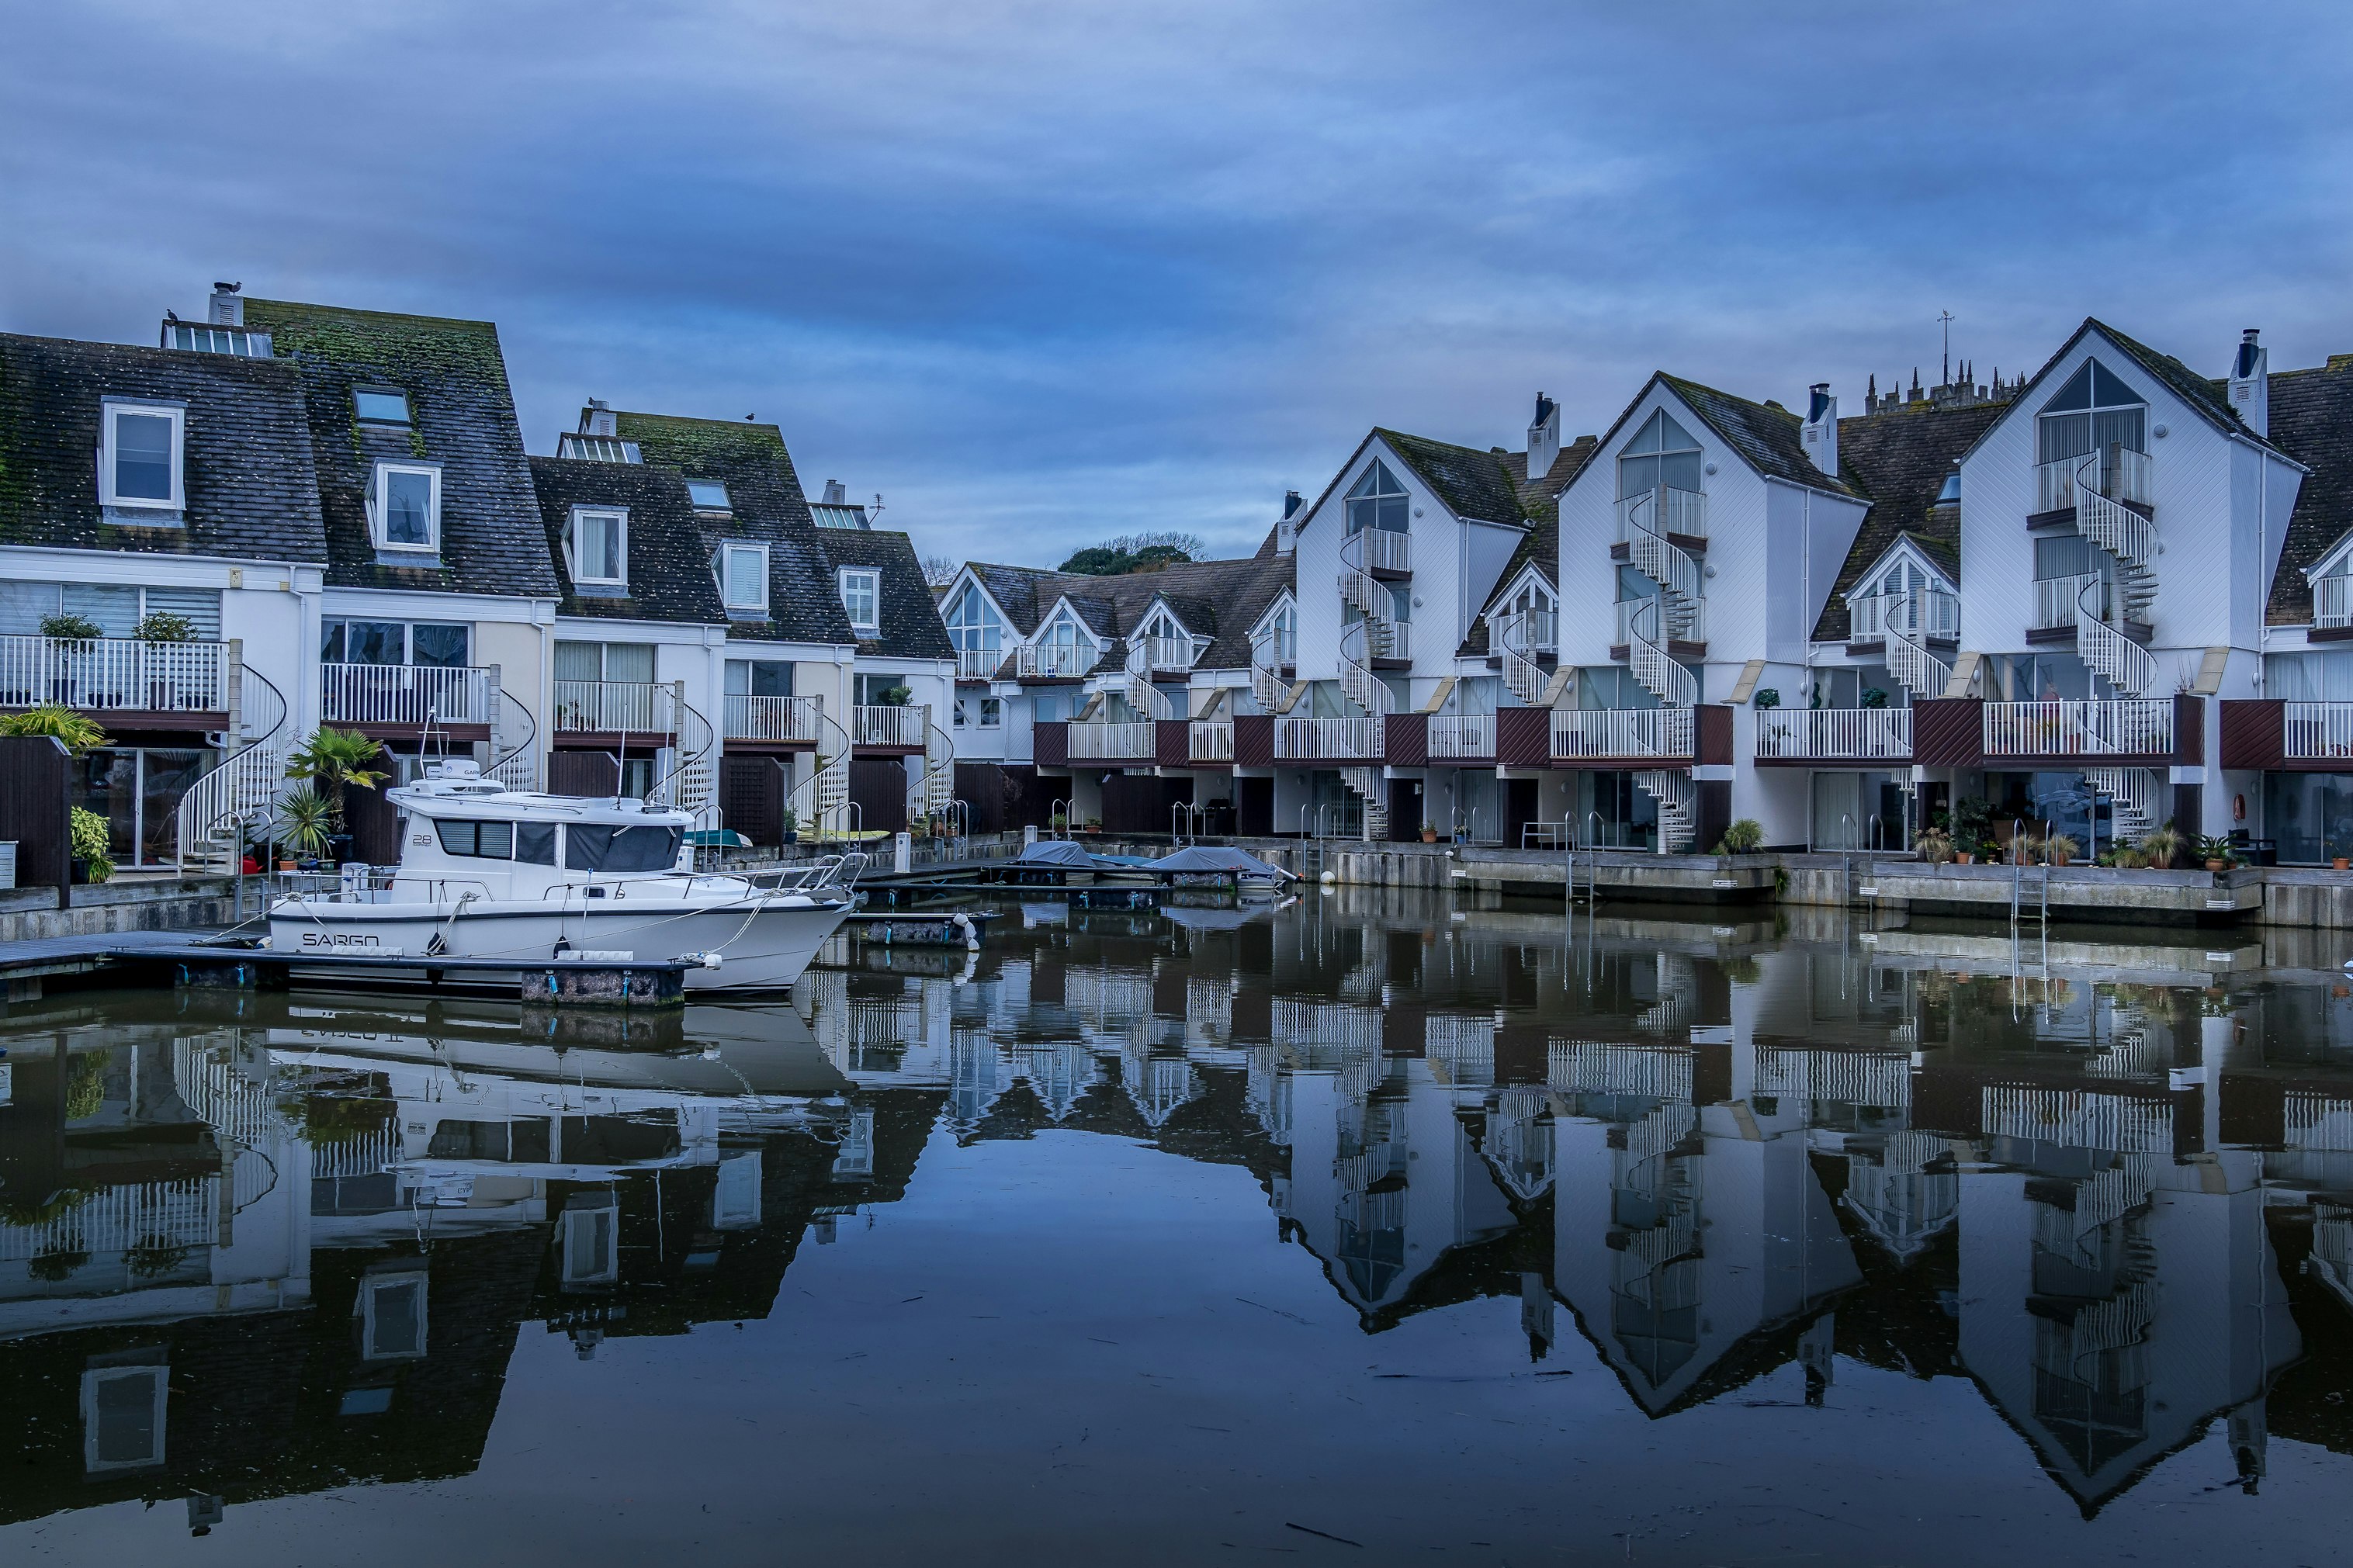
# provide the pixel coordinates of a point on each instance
(228, 305)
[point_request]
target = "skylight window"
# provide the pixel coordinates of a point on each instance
(235, 340)
(141, 465)
(708, 495)
(597, 543)
(744, 576)
(380, 405)
(597, 448)
(404, 507)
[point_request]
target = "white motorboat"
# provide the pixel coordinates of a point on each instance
(489, 873)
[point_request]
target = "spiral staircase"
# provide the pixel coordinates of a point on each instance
(822, 800)
(1915, 669)
(242, 791)
(934, 793)
(1366, 783)
(690, 786)
(1267, 685)
(1375, 636)
(2133, 793)
(1678, 803)
(1673, 614)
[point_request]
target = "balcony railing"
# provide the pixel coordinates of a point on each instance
(1169, 653)
(1462, 737)
(1210, 741)
(1933, 613)
(2054, 600)
(1386, 550)
(2316, 729)
(404, 694)
(2123, 475)
(874, 725)
(2332, 600)
(1055, 659)
(1345, 737)
(1679, 511)
(1129, 742)
(118, 673)
(751, 718)
(614, 705)
(1621, 732)
(2130, 726)
(978, 663)
(1637, 620)
(1844, 733)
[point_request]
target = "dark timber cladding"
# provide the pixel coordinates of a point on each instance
(37, 811)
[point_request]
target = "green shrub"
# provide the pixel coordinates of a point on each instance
(1745, 836)
(78, 732)
(71, 628)
(93, 842)
(163, 626)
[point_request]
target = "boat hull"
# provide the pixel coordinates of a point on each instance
(763, 945)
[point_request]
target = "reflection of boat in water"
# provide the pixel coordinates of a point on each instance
(489, 873)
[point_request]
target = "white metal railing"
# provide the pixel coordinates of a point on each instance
(1329, 738)
(1055, 658)
(1129, 740)
(753, 718)
(1270, 652)
(1462, 736)
(2332, 600)
(2123, 475)
(1638, 621)
(2131, 726)
(114, 673)
(978, 663)
(1169, 653)
(614, 705)
(181, 1212)
(1210, 741)
(2318, 728)
(404, 693)
(1386, 550)
(1676, 512)
(1862, 734)
(2056, 599)
(1621, 732)
(1932, 613)
(873, 725)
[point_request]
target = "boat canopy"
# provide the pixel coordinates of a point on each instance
(1217, 860)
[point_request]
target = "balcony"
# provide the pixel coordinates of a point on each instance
(789, 719)
(1638, 621)
(415, 694)
(1054, 660)
(597, 707)
(900, 726)
(114, 675)
(2056, 599)
(1171, 654)
(1834, 734)
(2124, 475)
(1315, 738)
(2332, 602)
(1133, 742)
(1209, 741)
(1462, 737)
(1935, 615)
(1663, 510)
(978, 663)
(2132, 727)
(1388, 552)
(1621, 732)
(2313, 730)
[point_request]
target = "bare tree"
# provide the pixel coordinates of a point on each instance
(939, 571)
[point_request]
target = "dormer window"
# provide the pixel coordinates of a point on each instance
(742, 572)
(596, 546)
(1378, 500)
(1951, 494)
(142, 468)
(380, 405)
(861, 597)
(404, 507)
(708, 495)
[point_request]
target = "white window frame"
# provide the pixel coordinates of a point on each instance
(726, 502)
(719, 567)
(160, 1379)
(372, 1283)
(620, 548)
(177, 412)
(379, 504)
(408, 419)
(578, 1237)
(992, 705)
(873, 581)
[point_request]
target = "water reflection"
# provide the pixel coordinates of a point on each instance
(250, 1248)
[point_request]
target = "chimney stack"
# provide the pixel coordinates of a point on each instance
(1286, 531)
(596, 419)
(835, 493)
(1821, 429)
(2251, 384)
(229, 305)
(1544, 438)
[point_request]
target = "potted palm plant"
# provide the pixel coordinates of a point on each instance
(2061, 849)
(335, 761)
(2161, 845)
(93, 847)
(306, 819)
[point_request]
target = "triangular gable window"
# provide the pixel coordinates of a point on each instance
(1661, 453)
(1378, 500)
(2093, 411)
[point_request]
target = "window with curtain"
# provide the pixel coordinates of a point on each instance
(612, 661)
(744, 576)
(408, 507)
(599, 544)
(1661, 453)
(1378, 501)
(2093, 411)
(759, 678)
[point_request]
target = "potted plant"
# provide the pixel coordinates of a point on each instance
(2027, 848)
(894, 697)
(790, 823)
(335, 761)
(2339, 863)
(163, 626)
(2217, 853)
(1745, 836)
(1428, 833)
(2061, 849)
(93, 849)
(305, 818)
(1766, 699)
(1936, 846)
(78, 732)
(2161, 845)
(1872, 697)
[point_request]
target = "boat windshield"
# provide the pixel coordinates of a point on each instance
(597, 848)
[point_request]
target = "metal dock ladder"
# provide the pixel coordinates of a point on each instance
(2030, 894)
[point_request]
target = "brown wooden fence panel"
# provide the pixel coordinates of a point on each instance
(589, 774)
(37, 811)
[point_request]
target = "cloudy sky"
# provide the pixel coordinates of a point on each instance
(1044, 271)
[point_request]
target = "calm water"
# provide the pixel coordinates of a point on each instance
(1367, 1229)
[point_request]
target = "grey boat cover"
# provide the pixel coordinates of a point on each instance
(1203, 859)
(1059, 853)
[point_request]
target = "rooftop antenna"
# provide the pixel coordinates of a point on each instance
(1947, 318)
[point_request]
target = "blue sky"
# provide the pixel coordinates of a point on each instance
(1045, 272)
